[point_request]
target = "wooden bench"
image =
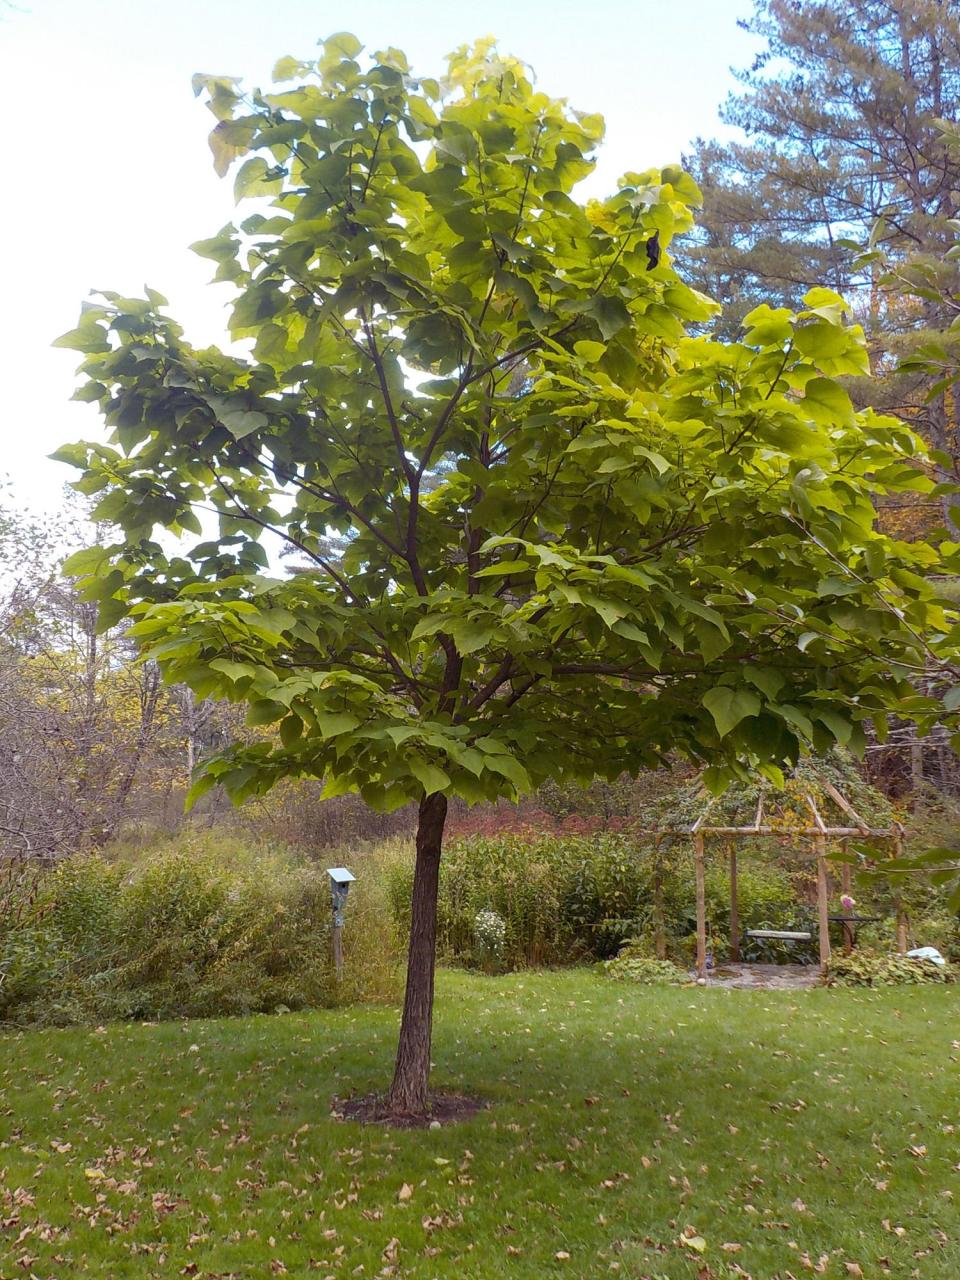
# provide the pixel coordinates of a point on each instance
(783, 935)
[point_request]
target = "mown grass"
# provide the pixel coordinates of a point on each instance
(813, 1130)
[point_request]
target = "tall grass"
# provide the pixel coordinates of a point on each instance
(197, 925)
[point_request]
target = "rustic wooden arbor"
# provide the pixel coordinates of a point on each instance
(819, 832)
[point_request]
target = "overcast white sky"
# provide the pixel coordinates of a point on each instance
(108, 178)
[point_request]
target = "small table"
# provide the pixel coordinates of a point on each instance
(849, 923)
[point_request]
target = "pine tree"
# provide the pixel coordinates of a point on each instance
(840, 143)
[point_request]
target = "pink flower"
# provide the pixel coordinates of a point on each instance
(847, 902)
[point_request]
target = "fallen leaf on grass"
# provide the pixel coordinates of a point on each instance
(405, 1192)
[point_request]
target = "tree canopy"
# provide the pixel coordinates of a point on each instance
(541, 531)
(633, 540)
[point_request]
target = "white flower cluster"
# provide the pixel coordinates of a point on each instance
(490, 931)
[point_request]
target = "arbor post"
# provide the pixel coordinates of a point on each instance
(898, 902)
(846, 886)
(823, 901)
(901, 928)
(411, 1077)
(734, 905)
(659, 930)
(701, 907)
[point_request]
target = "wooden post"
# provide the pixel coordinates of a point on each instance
(846, 886)
(734, 905)
(901, 928)
(823, 901)
(659, 931)
(701, 907)
(898, 901)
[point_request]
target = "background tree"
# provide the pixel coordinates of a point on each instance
(549, 535)
(80, 722)
(89, 737)
(931, 281)
(840, 116)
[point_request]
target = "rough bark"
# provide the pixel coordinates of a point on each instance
(408, 1093)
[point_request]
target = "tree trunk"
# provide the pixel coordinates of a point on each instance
(189, 706)
(408, 1093)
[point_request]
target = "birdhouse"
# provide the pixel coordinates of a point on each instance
(340, 882)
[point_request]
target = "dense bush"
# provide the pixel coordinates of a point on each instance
(865, 968)
(29, 960)
(518, 880)
(940, 929)
(632, 965)
(564, 898)
(197, 927)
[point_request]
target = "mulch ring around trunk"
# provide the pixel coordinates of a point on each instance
(442, 1109)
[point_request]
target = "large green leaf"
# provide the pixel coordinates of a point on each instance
(729, 706)
(431, 776)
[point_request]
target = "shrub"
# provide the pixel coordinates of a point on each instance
(31, 964)
(30, 948)
(876, 969)
(199, 927)
(564, 898)
(517, 879)
(940, 929)
(632, 965)
(608, 896)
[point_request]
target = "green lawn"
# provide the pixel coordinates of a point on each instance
(813, 1130)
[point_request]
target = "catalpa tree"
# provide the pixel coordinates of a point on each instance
(541, 532)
